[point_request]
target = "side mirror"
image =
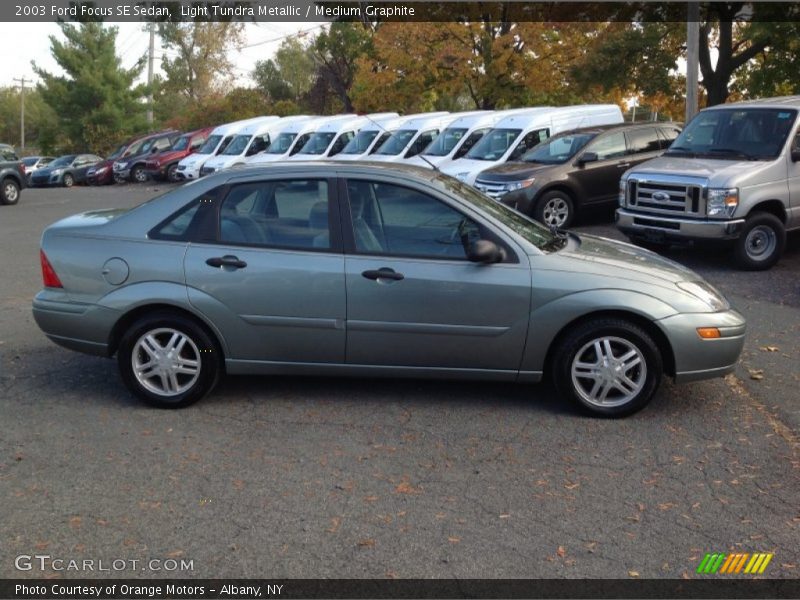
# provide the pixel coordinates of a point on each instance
(485, 252)
(153, 150)
(795, 155)
(587, 158)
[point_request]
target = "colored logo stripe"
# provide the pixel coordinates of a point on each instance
(734, 563)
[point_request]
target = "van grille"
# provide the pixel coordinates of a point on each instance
(665, 198)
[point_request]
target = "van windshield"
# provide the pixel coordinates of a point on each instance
(444, 143)
(360, 143)
(399, 140)
(558, 150)
(494, 144)
(318, 143)
(281, 144)
(210, 145)
(237, 145)
(735, 134)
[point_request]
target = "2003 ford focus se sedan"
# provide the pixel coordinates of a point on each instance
(367, 269)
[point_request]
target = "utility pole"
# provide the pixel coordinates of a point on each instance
(22, 81)
(692, 54)
(150, 57)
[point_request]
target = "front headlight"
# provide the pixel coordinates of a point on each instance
(706, 293)
(722, 202)
(56, 172)
(120, 165)
(519, 185)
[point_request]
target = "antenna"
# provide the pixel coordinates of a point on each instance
(381, 127)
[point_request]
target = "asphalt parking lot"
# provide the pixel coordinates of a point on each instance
(351, 478)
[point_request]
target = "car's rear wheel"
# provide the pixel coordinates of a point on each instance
(138, 174)
(555, 209)
(172, 173)
(68, 180)
(10, 192)
(608, 367)
(168, 360)
(761, 242)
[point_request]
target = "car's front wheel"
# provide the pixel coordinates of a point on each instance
(9, 193)
(172, 173)
(555, 209)
(168, 360)
(68, 180)
(138, 174)
(607, 366)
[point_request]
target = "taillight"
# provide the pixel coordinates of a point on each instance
(49, 276)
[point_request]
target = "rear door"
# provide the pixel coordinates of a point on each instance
(413, 298)
(272, 274)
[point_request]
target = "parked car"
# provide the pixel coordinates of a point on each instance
(34, 163)
(291, 138)
(132, 166)
(12, 175)
(65, 170)
(375, 133)
(519, 132)
(572, 171)
(102, 173)
(332, 137)
(365, 269)
(164, 165)
(732, 178)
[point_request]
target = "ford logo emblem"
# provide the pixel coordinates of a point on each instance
(661, 196)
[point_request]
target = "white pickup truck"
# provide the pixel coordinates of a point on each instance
(732, 175)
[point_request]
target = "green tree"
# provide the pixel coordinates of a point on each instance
(290, 75)
(40, 120)
(336, 52)
(96, 100)
(196, 60)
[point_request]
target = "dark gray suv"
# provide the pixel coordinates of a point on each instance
(12, 175)
(558, 178)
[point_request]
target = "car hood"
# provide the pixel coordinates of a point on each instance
(602, 256)
(710, 171)
(513, 171)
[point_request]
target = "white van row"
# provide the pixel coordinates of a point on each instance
(459, 144)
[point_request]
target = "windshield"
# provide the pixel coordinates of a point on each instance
(494, 144)
(318, 143)
(182, 143)
(62, 161)
(534, 232)
(360, 143)
(735, 134)
(134, 148)
(281, 144)
(397, 142)
(210, 145)
(237, 145)
(444, 143)
(558, 150)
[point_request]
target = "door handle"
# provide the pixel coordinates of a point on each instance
(384, 273)
(226, 261)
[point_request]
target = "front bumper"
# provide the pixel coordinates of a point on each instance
(99, 177)
(697, 358)
(658, 228)
(81, 327)
(122, 173)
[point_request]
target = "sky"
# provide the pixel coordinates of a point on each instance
(30, 41)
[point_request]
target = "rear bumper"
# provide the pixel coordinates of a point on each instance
(658, 228)
(81, 327)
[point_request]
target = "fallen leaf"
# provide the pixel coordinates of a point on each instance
(404, 487)
(757, 374)
(453, 539)
(335, 522)
(633, 573)
(504, 516)
(571, 486)
(769, 348)
(366, 543)
(562, 552)
(370, 498)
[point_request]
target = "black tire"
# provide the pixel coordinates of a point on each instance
(68, 180)
(138, 174)
(172, 173)
(761, 242)
(188, 388)
(555, 208)
(9, 192)
(644, 372)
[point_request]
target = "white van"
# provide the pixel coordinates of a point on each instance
(292, 138)
(518, 133)
(331, 138)
(375, 133)
(189, 167)
(459, 137)
(414, 136)
(249, 141)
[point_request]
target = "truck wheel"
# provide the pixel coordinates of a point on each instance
(555, 209)
(761, 242)
(607, 366)
(10, 192)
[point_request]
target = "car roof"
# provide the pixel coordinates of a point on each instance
(777, 102)
(617, 126)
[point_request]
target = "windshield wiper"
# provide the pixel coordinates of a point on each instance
(560, 238)
(731, 152)
(680, 150)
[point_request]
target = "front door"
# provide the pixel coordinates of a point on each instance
(599, 179)
(413, 298)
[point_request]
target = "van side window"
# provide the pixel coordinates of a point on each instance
(531, 139)
(471, 140)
